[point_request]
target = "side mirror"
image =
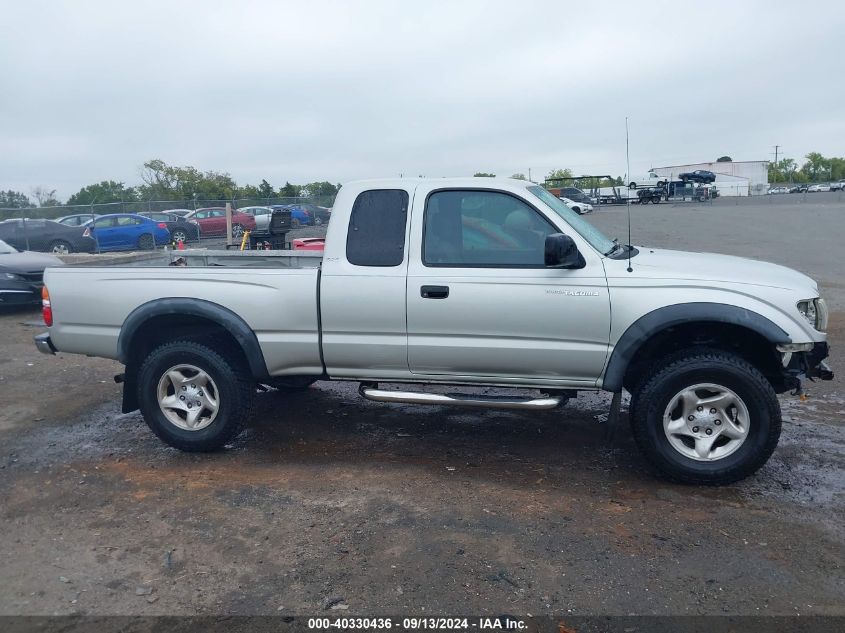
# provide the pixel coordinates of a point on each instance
(561, 252)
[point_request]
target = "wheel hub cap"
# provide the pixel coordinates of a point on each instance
(706, 422)
(188, 397)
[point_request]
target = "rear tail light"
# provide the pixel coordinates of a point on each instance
(86, 233)
(46, 307)
(162, 225)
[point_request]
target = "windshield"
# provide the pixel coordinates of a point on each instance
(5, 249)
(596, 238)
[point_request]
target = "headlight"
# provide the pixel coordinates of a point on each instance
(815, 311)
(12, 277)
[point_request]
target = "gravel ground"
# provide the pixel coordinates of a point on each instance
(331, 500)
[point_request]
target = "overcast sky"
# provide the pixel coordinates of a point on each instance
(305, 91)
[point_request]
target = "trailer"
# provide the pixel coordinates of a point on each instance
(637, 195)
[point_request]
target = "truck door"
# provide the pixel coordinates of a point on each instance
(362, 285)
(481, 303)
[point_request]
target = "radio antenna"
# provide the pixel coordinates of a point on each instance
(628, 198)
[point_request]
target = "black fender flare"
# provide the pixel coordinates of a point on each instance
(214, 312)
(650, 324)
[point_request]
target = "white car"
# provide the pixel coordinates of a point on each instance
(777, 190)
(579, 207)
(817, 188)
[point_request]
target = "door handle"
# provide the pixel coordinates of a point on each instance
(434, 292)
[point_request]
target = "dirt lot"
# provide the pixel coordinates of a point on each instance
(328, 499)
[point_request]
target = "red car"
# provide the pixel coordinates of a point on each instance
(212, 221)
(308, 244)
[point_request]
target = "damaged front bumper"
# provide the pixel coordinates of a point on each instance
(805, 362)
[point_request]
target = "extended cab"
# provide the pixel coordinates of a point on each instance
(462, 282)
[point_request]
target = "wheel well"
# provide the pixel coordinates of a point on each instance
(186, 327)
(747, 343)
(163, 328)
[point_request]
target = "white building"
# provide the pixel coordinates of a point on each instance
(735, 178)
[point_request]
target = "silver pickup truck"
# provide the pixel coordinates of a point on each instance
(462, 282)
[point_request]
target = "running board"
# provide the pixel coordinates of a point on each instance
(490, 402)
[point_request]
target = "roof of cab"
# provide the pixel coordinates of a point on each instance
(465, 181)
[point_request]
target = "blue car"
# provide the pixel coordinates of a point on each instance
(298, 215)
(128, 231)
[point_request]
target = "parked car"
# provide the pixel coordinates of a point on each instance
(800, 188)
(212, 221)
(22, 274)
(818, 188)
(574, 193)
(47, 236)
(699, 175)
(78, 219)
(774, 191)
(299, 216)
(181, 230)
(318, 215)
(839, 185)
(128, 231)
(262, 219)
(308, 244)
(703, 342)
(579, 207)
(649, 180)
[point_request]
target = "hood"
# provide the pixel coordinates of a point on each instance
(654, 263)
(27, 262)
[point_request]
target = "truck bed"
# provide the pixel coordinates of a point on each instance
(275, 293)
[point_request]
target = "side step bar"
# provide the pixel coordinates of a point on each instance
(372, 392)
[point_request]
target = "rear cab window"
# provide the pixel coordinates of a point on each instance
(377, 227)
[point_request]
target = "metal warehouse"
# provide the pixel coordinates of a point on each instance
(734, 178)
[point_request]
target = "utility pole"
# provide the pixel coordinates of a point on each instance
(775, 170)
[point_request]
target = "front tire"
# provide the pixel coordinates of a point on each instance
(193, 397)
(237, 230)
(707, 417)
(179, 235)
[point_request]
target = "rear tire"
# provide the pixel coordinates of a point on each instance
(60, 247)
(218, 385)
(146, 242)
(742, 433)
(179, 235)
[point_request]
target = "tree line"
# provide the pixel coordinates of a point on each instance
(816, 168)
(160, 181)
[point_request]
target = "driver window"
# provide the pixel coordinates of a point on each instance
(483, 228)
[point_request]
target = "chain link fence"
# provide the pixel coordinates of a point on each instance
(52, 213)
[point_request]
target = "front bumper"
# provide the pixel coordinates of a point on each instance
(44, 344)
(810, 364)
